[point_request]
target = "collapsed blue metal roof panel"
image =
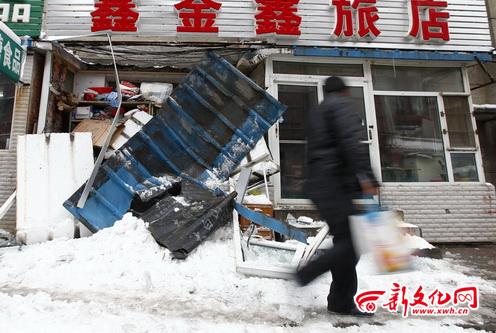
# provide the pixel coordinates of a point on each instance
(205, 129)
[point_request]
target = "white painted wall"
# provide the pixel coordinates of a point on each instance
(84, 80)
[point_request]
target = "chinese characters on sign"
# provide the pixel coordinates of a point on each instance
(20, 13)
(278, 17)
(353, 19)
(11, 57)
(366, 17)
(421, 303)
(114, 15)
(197, 15)
(428, 20)
(22, 16)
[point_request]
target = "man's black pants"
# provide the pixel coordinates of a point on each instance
(341, 260)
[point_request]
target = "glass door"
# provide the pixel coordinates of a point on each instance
(289, 146)
(299, 99)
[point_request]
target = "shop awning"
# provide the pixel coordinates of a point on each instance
(12, 54)
(163, 56)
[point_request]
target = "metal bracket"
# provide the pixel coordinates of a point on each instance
(242, 184)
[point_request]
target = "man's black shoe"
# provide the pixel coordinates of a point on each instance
(353, 312)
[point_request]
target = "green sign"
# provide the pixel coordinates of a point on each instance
(11, 53)
(22, 16)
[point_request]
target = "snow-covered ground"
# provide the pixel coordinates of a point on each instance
(120, 280)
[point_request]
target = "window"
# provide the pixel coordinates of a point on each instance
(460, 129)
(424, 125)
(299, 100)
(7, 97)
(410, 139)
(292, 67)
(359, 103)
(399, 78)
(464, 167)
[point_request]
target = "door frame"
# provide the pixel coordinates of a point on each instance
(274, 80)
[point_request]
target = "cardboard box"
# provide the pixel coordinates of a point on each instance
(83, 112)
(99, 130)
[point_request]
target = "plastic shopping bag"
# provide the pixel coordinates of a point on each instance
(378, 233)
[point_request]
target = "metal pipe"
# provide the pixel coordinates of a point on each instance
(99, 160)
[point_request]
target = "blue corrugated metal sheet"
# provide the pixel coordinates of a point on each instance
(392, 54)
(208, 125)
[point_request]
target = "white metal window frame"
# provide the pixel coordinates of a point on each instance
(273, 80)
(448, 150)
(302, 253)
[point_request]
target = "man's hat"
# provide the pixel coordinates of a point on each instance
(334, 84)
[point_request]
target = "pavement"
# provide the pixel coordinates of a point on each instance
(482, 259)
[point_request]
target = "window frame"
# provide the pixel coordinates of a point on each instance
(448, 150)
(475, 159)
(440, 109)
(274, 144)
(272, 80)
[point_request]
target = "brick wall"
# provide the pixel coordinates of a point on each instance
(446, 212)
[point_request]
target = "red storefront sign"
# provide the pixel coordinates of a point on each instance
(354, 19)
(428, 19)
(366, 14)
(278, 17)
(197, 15)
(114, 15)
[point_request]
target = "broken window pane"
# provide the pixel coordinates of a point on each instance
(267, 255)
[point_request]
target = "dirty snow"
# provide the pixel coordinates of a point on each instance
(153, 189)
(120, 280)
(304, 219)
(181, 200)
(268, 166)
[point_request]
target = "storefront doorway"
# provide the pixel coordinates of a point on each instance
(417, 121)
(300, 93)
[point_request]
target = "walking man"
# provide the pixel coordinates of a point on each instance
(338, 171)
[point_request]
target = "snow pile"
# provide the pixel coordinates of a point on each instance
(416, 242)
(120, 280)
(6, 238)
